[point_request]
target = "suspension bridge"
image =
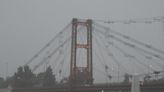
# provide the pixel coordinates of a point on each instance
(88, 56)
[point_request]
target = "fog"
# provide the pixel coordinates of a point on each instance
(27, 25)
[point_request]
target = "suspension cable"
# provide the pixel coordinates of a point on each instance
(133, 21)
(51, 54)
(102, 55)
(132, 45)
(131, 39)
(149, 58)
(124, 53)
(113, 57)
(47, 45)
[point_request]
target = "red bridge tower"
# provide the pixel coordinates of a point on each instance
(81, 75)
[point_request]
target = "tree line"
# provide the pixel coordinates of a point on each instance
(24, 77)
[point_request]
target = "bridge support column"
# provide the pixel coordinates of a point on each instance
(74, 69)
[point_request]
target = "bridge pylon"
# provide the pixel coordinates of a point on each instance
(81, 75)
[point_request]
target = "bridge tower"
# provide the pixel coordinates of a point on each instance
(81, 75)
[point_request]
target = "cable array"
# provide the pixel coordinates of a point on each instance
(48, 44)
(107, 34)
(133, 21)
(104, 39)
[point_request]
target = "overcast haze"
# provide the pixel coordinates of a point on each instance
(27, 25)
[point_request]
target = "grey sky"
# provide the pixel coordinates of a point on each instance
(27, 25)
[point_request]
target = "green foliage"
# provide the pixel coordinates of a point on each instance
(39, 79)
(1, 82)
(49, 79)
(24, 77)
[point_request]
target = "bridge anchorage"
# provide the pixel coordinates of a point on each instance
(81, 75)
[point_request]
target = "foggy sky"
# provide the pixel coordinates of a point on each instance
(27, 25)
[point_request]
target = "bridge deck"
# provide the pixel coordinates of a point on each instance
(153, 87)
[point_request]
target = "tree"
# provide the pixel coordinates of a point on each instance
(18, 77)
(49, 79)
(39, 79)
(23, 77)
(1, 82)
(28, 77)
